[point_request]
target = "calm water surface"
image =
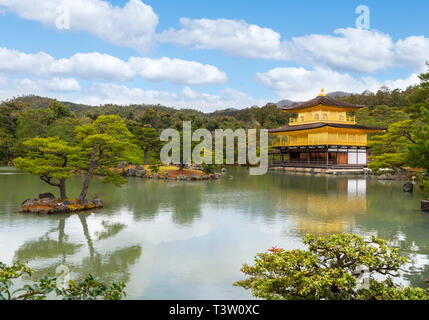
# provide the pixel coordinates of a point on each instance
(187, 240)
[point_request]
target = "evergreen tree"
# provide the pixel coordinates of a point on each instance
(51, 160)
(104, 144)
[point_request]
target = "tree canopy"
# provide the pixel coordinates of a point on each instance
(103, 144)
(340, 267)
(52, 159)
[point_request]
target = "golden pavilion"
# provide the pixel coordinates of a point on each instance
(324, 134)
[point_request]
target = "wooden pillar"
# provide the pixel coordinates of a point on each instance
(327, 158)
(308, 155)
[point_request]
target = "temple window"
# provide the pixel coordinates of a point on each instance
(316, 116)
(325, 116)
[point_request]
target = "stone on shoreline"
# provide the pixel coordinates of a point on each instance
(408, 187)
(425, 205)
(193, 173)
(47, 195)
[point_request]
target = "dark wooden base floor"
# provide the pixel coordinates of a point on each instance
(315, 164)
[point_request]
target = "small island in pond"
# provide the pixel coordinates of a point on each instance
(46, 203)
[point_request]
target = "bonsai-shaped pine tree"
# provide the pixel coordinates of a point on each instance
(329, 270)
(51, 160)
(103, 144)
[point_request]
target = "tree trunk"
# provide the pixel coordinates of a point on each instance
(62, 187)
(146, 157)
(88, 175)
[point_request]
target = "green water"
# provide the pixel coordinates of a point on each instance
(187, 240)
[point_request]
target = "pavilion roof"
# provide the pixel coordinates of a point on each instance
(324, 100)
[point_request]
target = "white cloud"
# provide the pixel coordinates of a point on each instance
(60, 84)
(348, 49)
(46, 85)
(93, 66)
(55, 87)
(132, 26)
(105, 67)
(236, 38)
(301, 84)
(177, 71)
(413, 51)
(102, 93)
(352, 50)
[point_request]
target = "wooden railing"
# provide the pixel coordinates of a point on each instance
(321, 142)
(299, 121)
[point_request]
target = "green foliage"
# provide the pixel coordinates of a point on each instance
(87, 289)
(51, 159)
(419, 98)
(389, 149)
(34, 123)
(147, 138)
(110, 139)
(418, 152)
(103, 144)
(64, 128)
(380, 116)
(59, 111)
(328, 270)
(6, 143)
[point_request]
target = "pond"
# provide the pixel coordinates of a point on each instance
(187, 240)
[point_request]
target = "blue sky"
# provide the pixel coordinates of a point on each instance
(207, 55)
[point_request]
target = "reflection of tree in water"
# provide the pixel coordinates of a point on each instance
(110, 266)
(146, 199)
(110, 230)
(45, 247)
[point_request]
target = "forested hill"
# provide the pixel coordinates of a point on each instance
(38, 102)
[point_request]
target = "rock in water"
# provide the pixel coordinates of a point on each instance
(408, 187)
(131, 172)
(47, 195)
(121, 165)
(97, 202)
(425, 205)
(195, 176)
(140, 173)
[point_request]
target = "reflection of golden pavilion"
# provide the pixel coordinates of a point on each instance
(330, 212)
